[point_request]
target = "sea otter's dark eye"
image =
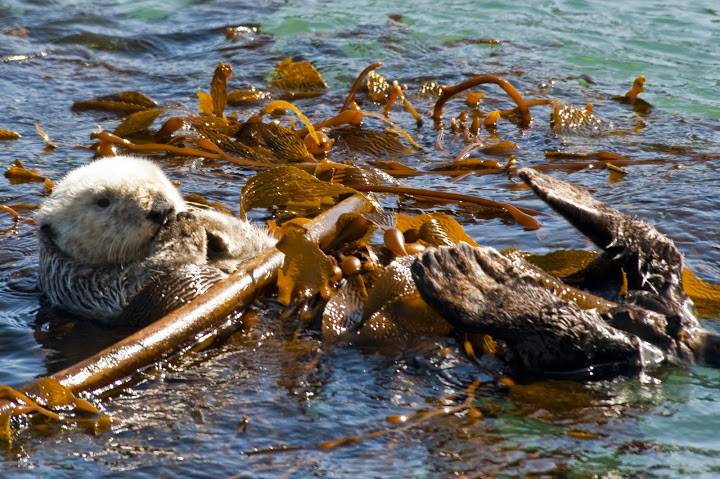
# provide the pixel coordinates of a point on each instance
(103, 202)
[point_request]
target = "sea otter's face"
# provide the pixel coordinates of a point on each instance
(109, 211)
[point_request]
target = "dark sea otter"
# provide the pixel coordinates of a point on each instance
(480, 290)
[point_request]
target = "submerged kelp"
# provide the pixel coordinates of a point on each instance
(292, 367)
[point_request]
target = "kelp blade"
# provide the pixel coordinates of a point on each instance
(291, 188)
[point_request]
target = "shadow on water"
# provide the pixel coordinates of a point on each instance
(261, 403)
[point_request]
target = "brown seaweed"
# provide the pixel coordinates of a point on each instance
(218, 88)
(9, 135)
(123, 102)
(138, 121)
(520, 215)
(350, 98)
(50, 144)
(450, 91)
(298, 79)
(109, 138)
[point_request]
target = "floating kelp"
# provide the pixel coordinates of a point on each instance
(521, 215)
(292, 189)
(394, 309)
(197, 199)
(9, 135)
(138, 121)
(434, 229)
(351, 175)
(298, 79)
(353, 232)
(212, 150)
(283, 105)
(306, 270)
(599, 160)
(468, 165)
(239, 32)
(631, 96)
(218, 88)
(562, 263)
(377, 87)
(395, 168)
(10, 211)
(355, 286)
(18, 174)
(282, 142)
(50, 144)
(705, 295)
(247, 96)
(369, 142)
(256, 143)
(449, 92)
(343, 312)
(569, 120)
(350, 98)
(213, 103)
(122, 102)
(397, 94)
(44, 396)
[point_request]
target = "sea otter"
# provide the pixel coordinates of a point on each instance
(118, 243)
(480, 290)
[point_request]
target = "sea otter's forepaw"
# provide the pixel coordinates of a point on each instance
(180, 241)
(480, 290)
(231, 241)
(457, 280)
(650, 259)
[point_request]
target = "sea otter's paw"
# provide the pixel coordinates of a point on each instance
(651, 261)
(180, 241)
(480, 290)
(456, 282)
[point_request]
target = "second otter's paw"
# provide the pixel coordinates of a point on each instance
(478, 290)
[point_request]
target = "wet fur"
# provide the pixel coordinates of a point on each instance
(480, 290)
(95, 260)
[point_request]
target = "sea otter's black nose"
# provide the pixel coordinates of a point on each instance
(161, 216)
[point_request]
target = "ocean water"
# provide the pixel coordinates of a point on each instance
(186, 418)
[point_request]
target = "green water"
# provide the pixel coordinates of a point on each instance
(676, 47)
(184, 420)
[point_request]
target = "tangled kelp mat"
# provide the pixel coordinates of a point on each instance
(356, 288)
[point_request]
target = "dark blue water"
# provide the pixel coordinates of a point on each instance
(186, 419)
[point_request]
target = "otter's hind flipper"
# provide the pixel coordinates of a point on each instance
(480, 290)
(651, 261)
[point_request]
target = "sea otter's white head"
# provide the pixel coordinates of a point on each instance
(109, 211)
